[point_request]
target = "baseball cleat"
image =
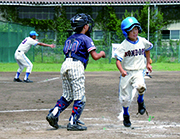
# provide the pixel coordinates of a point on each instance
(53, 121)
(17, 80)
(141, 108)
(126, 121)
(147, 76)
(76, 127)
(28, 81)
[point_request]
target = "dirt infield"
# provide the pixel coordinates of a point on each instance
(23, 108)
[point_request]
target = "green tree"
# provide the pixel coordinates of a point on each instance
(107, 21)
(62, 25)
(156, 19)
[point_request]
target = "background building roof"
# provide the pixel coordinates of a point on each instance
(87, 2)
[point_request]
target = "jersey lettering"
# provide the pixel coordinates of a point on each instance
(71, 45)
(24, 41)
(135, 52)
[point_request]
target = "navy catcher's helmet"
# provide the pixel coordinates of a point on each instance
(128, 24)
(79, 20)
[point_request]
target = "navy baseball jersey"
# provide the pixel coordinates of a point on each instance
(79, 46)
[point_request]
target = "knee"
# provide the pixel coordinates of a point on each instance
(31, 65)
(141, 88)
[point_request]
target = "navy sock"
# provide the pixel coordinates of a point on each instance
(140, 98)
(26, 76)
(126, 110)
(17, 75)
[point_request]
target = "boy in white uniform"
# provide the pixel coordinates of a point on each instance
(21, 58)
(130, 62)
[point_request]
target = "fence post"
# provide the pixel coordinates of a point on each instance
(33, 53)
(179, 55)
(42, 54)
(110, 47)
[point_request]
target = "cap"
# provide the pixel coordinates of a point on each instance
(33, 33)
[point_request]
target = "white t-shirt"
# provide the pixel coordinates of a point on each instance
(131, 54)
(26, 44)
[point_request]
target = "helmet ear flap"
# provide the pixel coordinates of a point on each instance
(125, 34)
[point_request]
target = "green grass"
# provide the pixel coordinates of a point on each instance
(55, 67)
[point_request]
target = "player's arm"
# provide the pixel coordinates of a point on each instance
(149, 67)
(46, 45)
(97, 56)
(119, 66)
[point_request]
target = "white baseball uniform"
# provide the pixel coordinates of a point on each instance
(20, 56)
(131, 55)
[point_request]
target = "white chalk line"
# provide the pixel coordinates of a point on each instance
(43, 81)
(47, 80)
(31, 110)
(138, 128)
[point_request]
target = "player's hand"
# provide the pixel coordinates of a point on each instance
(123, 73)
(52, 45)
(149, 67)
(103, 54)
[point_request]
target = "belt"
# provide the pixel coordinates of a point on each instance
(75, 59)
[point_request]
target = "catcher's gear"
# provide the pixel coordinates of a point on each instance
(79, 20)
(128, 24)
(62, 104)
(76, 111)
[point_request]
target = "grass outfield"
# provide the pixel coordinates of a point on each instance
(47, 67)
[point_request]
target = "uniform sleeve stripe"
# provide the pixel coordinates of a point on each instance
(36, 43)
(151, 46)
(119, 58)
(91, 48)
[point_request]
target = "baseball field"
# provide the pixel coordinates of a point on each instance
(23, 107)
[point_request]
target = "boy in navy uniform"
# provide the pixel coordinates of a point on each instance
(76, 49)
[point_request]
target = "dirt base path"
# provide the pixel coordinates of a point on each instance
(23, 108)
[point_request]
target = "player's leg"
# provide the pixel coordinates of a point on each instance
(65, 100)
(78, 87)
(54, 113)
(18, 58)
(74, 124)
(27, 63)
(19, 71)
(125, 99)
(139, 83)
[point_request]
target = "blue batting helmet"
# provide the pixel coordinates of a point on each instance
(128, 24)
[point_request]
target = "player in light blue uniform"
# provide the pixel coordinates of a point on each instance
(76, 49)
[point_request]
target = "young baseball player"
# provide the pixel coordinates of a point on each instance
(76, 49)
(21, 58)
(130, 62)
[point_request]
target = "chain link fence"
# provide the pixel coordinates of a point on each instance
(12, 34)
